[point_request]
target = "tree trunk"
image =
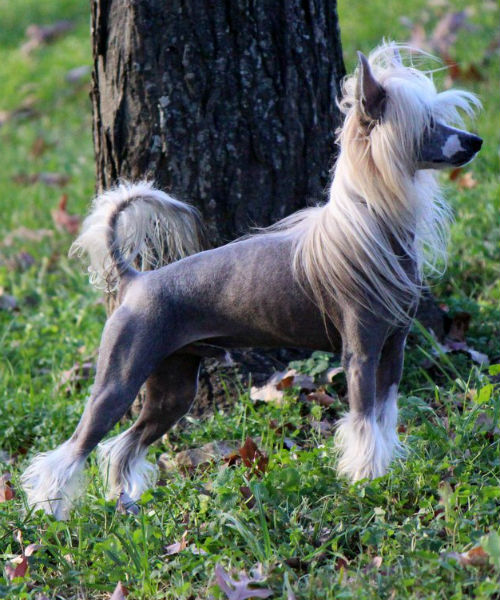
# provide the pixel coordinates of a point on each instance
(228, 104)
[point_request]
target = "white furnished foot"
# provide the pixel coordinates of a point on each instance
(124, 468)
(387, 418)
(363, 449)
(53, 480)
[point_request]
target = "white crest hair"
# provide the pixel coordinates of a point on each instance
(344, 249)
(153, 227)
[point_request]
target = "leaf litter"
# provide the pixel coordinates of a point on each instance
(240, 586)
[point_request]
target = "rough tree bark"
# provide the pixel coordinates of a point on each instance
(228, 104)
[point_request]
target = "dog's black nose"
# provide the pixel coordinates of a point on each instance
(475, 143)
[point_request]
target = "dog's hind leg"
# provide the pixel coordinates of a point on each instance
(359, 441)
(170, 391)
(130, 350)
(389, 373)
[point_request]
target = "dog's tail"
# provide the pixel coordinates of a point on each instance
(135, 223)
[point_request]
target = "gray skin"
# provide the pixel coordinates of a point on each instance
(241, 295)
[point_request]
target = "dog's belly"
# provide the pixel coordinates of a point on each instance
(240, 295)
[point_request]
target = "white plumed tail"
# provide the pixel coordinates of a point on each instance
(138, 223)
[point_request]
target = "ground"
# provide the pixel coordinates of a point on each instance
(406, 535)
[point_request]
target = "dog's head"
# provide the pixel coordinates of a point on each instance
(397, 109)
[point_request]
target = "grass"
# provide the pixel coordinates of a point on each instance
(314, 534)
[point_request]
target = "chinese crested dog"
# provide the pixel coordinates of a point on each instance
(343, 276)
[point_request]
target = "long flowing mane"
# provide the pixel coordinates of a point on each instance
(382, 214)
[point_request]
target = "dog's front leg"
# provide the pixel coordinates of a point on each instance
(363, 451)
(389, 373)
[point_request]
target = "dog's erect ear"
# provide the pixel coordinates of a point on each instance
(370, 94)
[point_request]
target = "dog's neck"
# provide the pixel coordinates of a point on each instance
(368, 243)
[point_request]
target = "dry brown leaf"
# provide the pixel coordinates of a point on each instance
(39, 35)
(120, 592)
(475, 557)
(25, 111)
(467, 181)
(25, 234)
(252, 457)
(273, 389)
(31, 549)
(445, 33)
(79, 372)
(321, 398)
(39, 147)
(17, 567)
(177, 547)
(454, 173)
(246, 492)
(52, 179)
(6, 489)
(239, 588)
(194, 458)
(63, 220)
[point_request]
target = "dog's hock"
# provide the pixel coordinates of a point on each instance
(53, 480)
(364, 451)
(124, 467)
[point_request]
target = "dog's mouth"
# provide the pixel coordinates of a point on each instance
(465, 161)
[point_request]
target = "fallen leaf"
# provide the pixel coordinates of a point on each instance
(24, 234)
(375, 563)
(475, 557)
(19, 262)
(39, 35)
(321, 398)
(467, 181)
(17, 567)
(6, 489)
(273, 389)
(239, 588)
(120, 592)
(52, 179)
(74, 377)
(322, 427)
(25, 111)
(177, 547)
(249, 498)
(7, 302)
(78, 74)
(31, 549)
(194, 458)
(39, 147)
(63, 220)
(445, 33)
(251, 456)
